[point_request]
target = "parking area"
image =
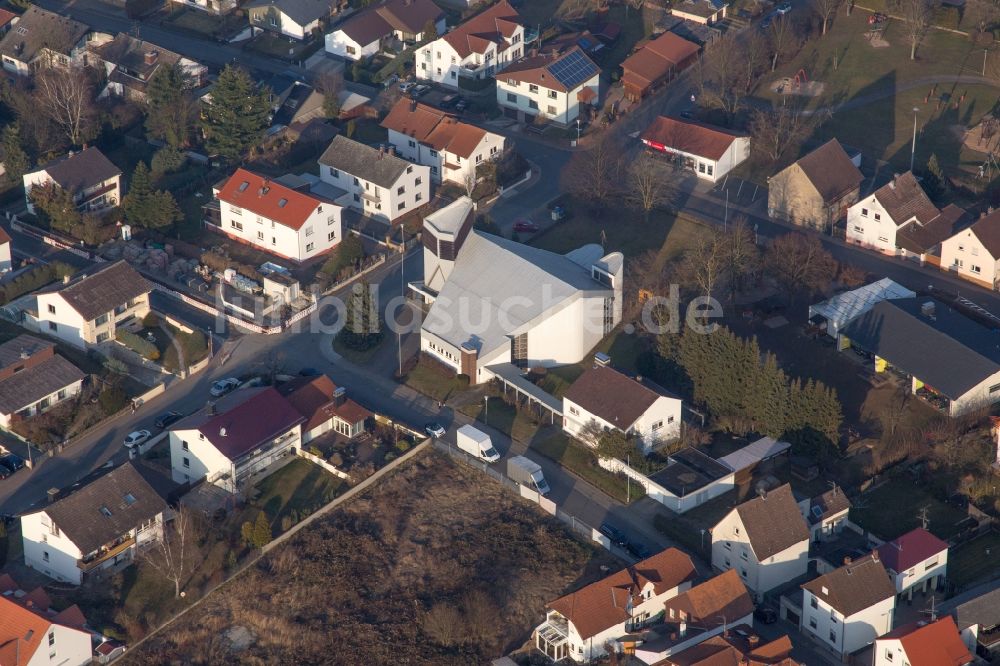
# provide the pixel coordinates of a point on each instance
(740, 192)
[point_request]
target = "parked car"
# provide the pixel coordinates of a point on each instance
(783, 8)
(4, 472)
(224, 386)
(419, 90)
(616, 536)
(524, 225)
(461, 105)
(164, 420)
(638, 550)
(765, 615)
(406, 85)
(136, 438)
(12, 462)
(448, 101)
(309, 372)
(434, 429)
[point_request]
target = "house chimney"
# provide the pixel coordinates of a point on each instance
(392, 150)
(875, 555)
(601, 360)
(753, 641)
(53, 495)
(222, 432)
(381, 151)
(339, 396)
(25, 355)
(149, 57)
(66, 279)
(682, 629)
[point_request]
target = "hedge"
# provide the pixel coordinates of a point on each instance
(139, 345)
(34, 279)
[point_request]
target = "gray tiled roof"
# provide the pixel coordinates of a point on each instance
(363, 161)
(773, 522)
(78, 171)
(21, 347)
(854, 587)
(983, 610)
(302, 12)
(104, 290)
(38, 29)
(32, 384)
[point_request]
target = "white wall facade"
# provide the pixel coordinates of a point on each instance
(320, 233)
(192, 457)
(869, 225)
(966, 255)
(5, 258)
(846, 635)
(924, 574)
(660, 494)
(47, 549)
(85, 202)
(490, 147)
(710, 169)
(58, 319)
(731, 549)
(64, 646)
(660, 423)
(211, 6)
(530, 99)
(46, 403)
(411, 190)
(440, 63)
(339, 44)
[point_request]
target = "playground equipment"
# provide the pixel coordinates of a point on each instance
(800, 79)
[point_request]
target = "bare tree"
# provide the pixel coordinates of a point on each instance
(443, 623)
(917, 15)
(721, 75)
(66, 97)
(774, 130)
(800, 263)
(783, 39)
(633, 4)
(704, 264)
(330, 85)
(756, 54)
(594, 174)
(469, 182)
(649, 183)
(741, 256)
(177, 551)
(826, 9)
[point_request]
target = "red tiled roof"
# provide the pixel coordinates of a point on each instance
(706, 604)
(933, 644)
(655, 60)
(601, 605)
(6, 17)
(495, 25)
(4, 236)
(264, 197)
(313, 398)
(71, 617)
(541, 70)
(910, 550)
(21, 633)
(689, 137)
(261, 416)
(440, 130)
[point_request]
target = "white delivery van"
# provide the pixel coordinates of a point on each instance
(476, 443)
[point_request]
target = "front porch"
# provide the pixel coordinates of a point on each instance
(552, 638)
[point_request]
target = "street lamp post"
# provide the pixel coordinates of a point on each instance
(913, 146)
(486, 409)
(578, 122)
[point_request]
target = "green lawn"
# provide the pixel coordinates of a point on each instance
(503, 417)
(975, 561)
(894, 509)
(577, 458)
(433, 380)
(300, 486)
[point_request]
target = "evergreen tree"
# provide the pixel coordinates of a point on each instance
(145, 207)
(769, 402)
(261, 531)
(362, 326)
(935, 182)
(171, 107)
(15, 160)
(615, 444)
(237, 116)
(56, 205)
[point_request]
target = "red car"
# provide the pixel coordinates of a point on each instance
(524, 225)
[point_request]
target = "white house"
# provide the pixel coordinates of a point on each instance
(291, 223)
(373, 181)
(88, 309)
(129, 64)
(826, 514)
(43, 39)
(325, 407)
(33, 379)
(690, 479)
(974, 253)
(580, 624)
(103, 525)
(298, 19)
(605, 397)
(709, 152)
(495, 301)
(918, 560)
(363, 34)
(848, 608)
(934, 643)
(452, 149)
(555, 87)
(477, 49)
(235, 438)
(765, 539)
(96, 183)
(32, 633)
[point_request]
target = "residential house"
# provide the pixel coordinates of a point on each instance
(690, 479)
(974, 253)
(710, 152)
(299, 108)
(560, 88)
(606, 399)
(325, 407)
(705, 12)
(826, 514)
(42, 39)
(374, 181)
(532, 307)
(288, 222)
(979, 621)
(129, 64)
(6, 262)
(238, 436)
(33, 633)
(737, 646)
(839, 310)
(816, 190)
(452, 149)
(922, 643)
(33, 378)
(96, 183)
(899, 219)
(217, 7)
(298, 19)
(89, 309)
(705, 611)
(765, 539)
(918, 560)
(364, 33)
(7, 20)
(477, 49)
(103, 525)
(950, 361)
(849, 607)
(656, 63)
(579, 625)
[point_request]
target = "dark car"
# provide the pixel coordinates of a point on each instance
(12, 462)
(448, 101)
(164, 420)
(638, 550)
(524, 225)
(765, 615)
(309, 372)
(4, 472)
(616, 536)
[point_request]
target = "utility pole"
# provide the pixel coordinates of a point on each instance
(924, 520)
(913, 146)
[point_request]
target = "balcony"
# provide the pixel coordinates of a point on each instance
(368, 196)
(89, 565)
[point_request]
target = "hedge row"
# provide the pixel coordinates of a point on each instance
(34, 279)
(138, 344)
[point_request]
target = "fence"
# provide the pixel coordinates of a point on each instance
(322, 463)
(233, 319)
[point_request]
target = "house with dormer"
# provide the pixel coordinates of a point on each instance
(917, 560)
(363, 34)
(42, 39)
(33, 632)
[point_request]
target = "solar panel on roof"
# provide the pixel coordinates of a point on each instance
(573, 70)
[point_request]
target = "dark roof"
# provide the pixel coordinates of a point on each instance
(830, 170)
(102, 291)
(555, 71)
(365, 27)
(909, 550)
(689, 471)
(130, 53)
(987, 230)
(409, 15)
(20, 348)
(38, 29)
(984, 610)
(903, 198)
(302, 12)
(854, 587)
(614, 397)
(829, 503)
(363, 161)
(947, 351)
(105, 509)
(773, 522)
(690, 137)
(78, 171)
(718, 600)
(920, 238)
(32, 384)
